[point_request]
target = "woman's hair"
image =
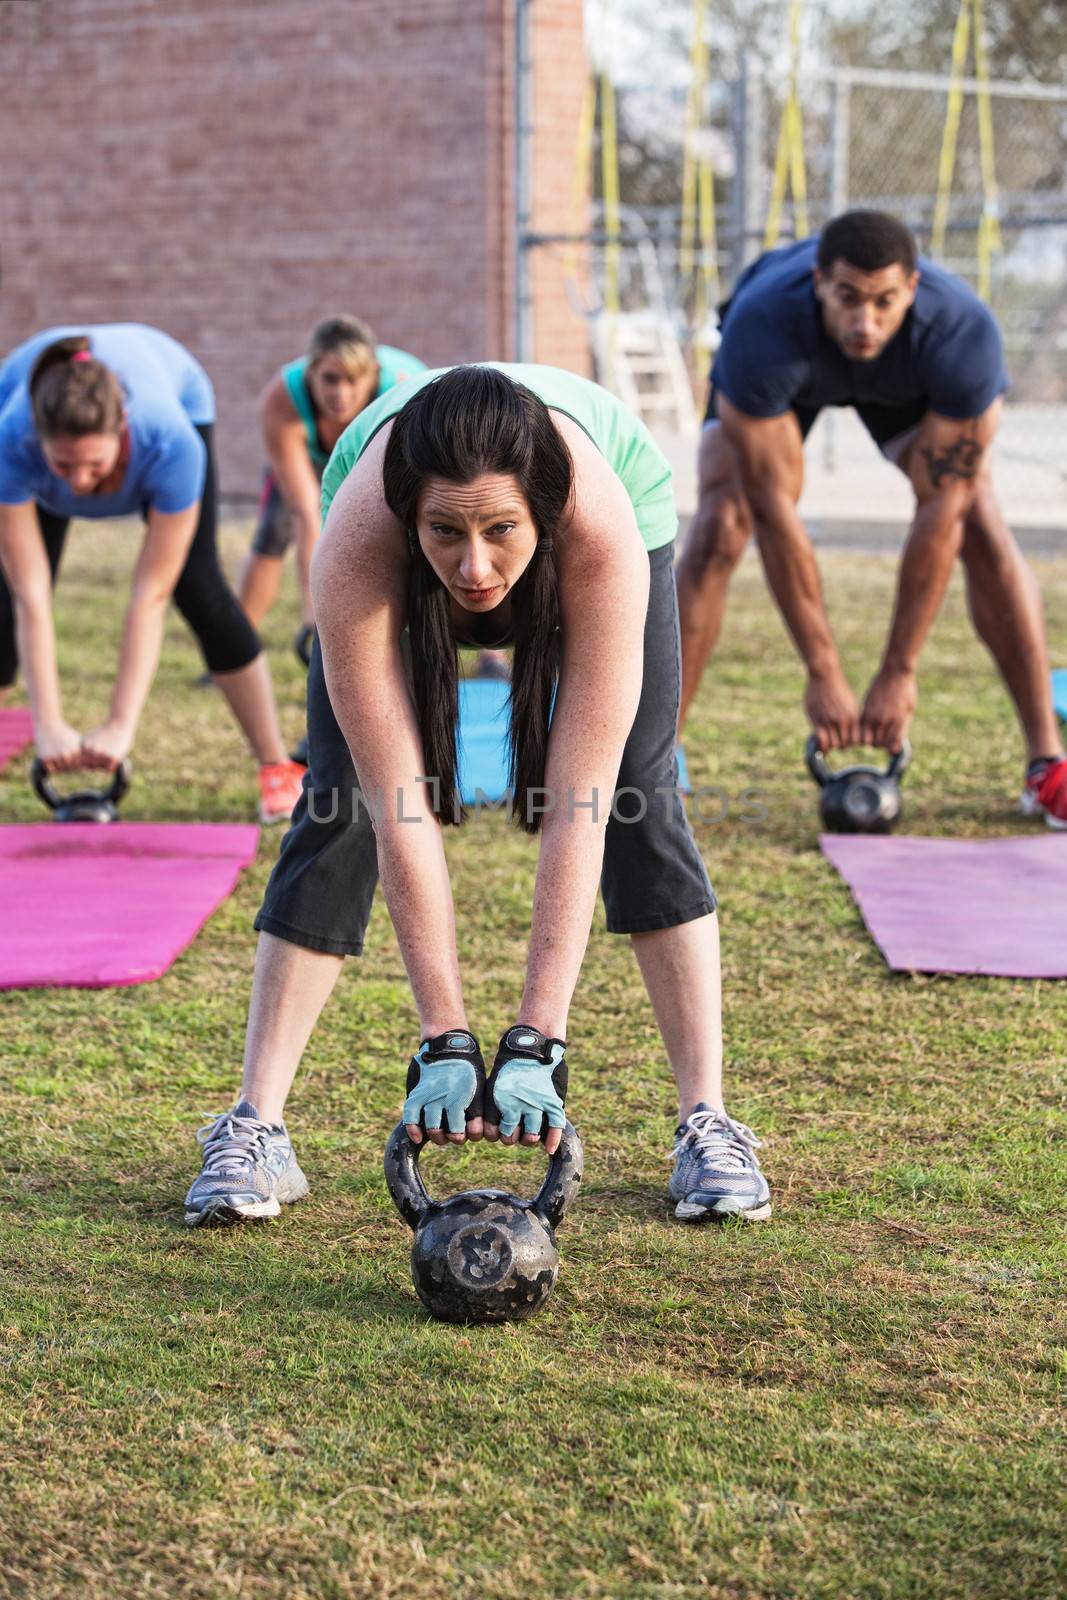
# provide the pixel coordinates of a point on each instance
(474, 420)
(72, 394)
(347, 338)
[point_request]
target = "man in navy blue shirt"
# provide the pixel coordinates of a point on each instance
(856, 318)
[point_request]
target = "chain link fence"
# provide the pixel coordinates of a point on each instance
(872, 138)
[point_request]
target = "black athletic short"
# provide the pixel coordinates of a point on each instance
(274, 529)
(227, 639)
(883, 423)
(321, 890)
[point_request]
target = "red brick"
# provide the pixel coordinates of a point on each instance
(232, 170)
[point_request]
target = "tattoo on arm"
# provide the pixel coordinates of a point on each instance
(959, 460)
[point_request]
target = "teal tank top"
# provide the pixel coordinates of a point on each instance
(622, 439)
(394, 367)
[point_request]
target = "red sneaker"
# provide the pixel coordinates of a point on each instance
(1046, 794)
(280, 783)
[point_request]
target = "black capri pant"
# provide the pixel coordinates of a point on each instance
(227, 639)
(274, 530)
(321, 889)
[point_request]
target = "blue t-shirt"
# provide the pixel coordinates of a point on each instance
(168, 394)
(776, 355)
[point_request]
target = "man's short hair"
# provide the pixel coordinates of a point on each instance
(868, 241)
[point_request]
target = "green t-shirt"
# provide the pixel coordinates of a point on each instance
(394, 366)
(622, 439)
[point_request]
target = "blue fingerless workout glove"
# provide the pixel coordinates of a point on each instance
(528, 1082)
(446, 1075)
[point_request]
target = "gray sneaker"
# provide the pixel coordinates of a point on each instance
(716, 1171)
(249, 1170)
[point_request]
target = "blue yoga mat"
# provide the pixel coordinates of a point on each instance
(683, 770)
(1059, 691)
(483, 733)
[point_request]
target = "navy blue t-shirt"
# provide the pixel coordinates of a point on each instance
(775, 356)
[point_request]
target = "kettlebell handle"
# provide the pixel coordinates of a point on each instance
(404, 1180)
(818, 765)
(562, 1179)
(46, 790)
(412, 1199)
(823, 773)
(899, 763)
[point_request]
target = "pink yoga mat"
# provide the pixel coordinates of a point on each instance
(16, 731)
(996, 907)
(99, 905)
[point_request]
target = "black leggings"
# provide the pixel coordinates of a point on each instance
(227, 639)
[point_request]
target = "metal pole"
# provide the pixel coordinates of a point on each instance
(839, 149)
(748, 178)
(523, 99)
(840, 135)
(885, 77)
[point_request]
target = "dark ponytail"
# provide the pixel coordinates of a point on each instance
(73, 394)
(470, 421)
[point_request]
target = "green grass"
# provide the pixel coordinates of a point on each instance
(862, 1397)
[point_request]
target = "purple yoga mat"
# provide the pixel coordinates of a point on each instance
(98, 905)
(996, 907)
(16, 731)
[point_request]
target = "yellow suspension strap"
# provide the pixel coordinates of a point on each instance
(789, 157)
(989, 236)
(698, 184)
(581, 183)
(946, 162)
(990, 241)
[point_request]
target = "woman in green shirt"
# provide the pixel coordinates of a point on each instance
(489, 502)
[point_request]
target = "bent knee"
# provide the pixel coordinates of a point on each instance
(986, 535)
(719, 531)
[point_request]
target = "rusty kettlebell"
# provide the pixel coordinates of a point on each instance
(484, 1255)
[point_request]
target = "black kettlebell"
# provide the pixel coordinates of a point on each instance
(858, 799)
(483, 1256)
(86, 805)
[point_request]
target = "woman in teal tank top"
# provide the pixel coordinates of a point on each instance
(493, 504)
(304, 410)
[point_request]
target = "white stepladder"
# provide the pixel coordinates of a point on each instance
(638, 353)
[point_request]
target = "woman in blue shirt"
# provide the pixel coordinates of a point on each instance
(104, 422)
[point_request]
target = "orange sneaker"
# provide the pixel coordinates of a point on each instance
(280, 783)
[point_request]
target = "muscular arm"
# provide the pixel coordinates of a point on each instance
(359, 587)
(603, 570)
(770, 452)
(944, 464)
(287, 451)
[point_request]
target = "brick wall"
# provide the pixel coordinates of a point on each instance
(560, 74)
(232, 170)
